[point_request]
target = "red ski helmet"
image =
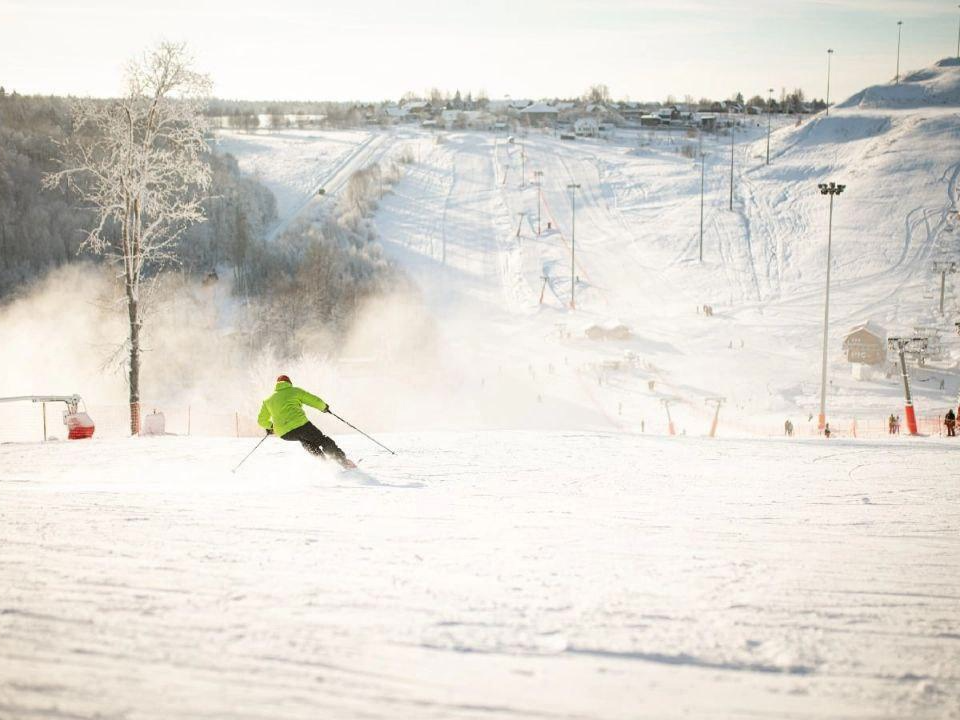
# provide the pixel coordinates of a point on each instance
(283, 378)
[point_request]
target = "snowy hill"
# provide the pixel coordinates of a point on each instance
(937, 85)
(463, 224)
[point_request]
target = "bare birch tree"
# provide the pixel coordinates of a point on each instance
(137, 163)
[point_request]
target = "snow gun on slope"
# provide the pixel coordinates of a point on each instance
(79, 424)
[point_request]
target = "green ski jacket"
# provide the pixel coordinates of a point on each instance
(283, 411)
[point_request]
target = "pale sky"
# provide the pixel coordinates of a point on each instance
(378, 49)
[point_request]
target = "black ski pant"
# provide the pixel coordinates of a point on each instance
(315, 442)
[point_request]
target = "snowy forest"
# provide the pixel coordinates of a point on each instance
(43, 228)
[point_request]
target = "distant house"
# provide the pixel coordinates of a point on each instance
(419, 109)
(464, 119)
(540, 113)
(597, 109)
(586, 127)
(631, 111)
(707, 121)
(866, 344)
(650, 120)
(392, 113)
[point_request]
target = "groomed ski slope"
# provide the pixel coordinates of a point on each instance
(506, 575)
(513, 361)
(637, 235)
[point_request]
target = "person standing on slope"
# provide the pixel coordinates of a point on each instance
(950, 421)
(282, 414)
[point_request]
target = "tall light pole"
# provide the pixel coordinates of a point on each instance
(769, 114)
(899, 29)
(538, 174)
(703, 156)
(958, 40)
(732, 133)
(829, 57)
(573, 187)
(831, 189)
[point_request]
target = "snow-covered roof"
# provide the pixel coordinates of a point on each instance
(871, 327)
(540, 108)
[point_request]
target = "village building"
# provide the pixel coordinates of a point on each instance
(586, 127)
(540, 114)
(866, 344)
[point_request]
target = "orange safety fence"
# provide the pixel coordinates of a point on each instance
(24, 422)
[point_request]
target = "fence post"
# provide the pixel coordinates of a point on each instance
(236, 417)
(188, 421)
(44, 411)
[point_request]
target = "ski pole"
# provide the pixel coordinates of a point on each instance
(250, 453)
(361, 432)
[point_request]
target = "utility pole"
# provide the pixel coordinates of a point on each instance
(831, 189)
(538, 174)
(900, 345)
(573, 187)
(732, 132)
(523, 164)
(769, 115)
(703, 161)
(829, 57)
(899, 29)
(958, 40)
(943, 268)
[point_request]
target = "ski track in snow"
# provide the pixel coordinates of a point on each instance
(480, 574)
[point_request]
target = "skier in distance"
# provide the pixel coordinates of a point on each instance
(282, 414)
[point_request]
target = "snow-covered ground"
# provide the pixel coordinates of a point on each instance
(541, 547)
(508, 575)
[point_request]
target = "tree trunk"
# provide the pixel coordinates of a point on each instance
(133, 311)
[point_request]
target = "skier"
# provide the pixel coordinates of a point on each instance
(826, 431)
(788, 428)
(950, 421)
(282, 414)
(892, 424)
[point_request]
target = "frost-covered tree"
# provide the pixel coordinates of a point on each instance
(138, 164)
(598, 93)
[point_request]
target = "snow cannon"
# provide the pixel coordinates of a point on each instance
(79, 424)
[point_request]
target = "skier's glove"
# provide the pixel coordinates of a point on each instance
(269, 431)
